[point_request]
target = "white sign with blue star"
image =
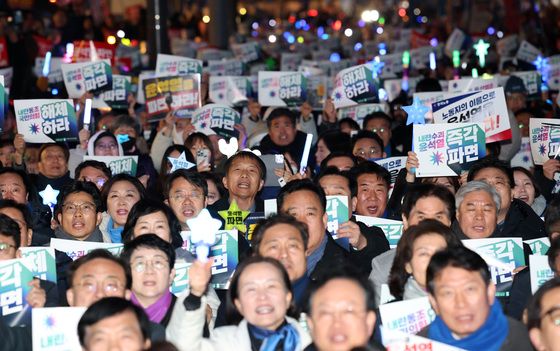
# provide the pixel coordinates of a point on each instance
(416, 112)
(46, 120)
(180, 163)
(545, 139)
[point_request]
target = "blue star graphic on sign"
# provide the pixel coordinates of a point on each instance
(416, 112)
(180, 162)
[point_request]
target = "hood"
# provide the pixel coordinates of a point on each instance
(92, 140)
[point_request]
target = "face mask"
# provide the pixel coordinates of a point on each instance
(126, 142)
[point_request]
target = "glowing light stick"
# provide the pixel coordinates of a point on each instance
(433, 64)
(47, 64)
(305, 156)
(406, 65)
(87, 114)
(481, 48)
(456, 63)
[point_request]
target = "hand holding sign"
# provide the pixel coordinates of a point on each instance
(203, 233)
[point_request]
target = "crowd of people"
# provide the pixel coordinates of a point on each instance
(295, 286)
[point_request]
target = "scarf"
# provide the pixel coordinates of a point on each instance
(489, 337)
(96, 236)
(114, 233)
(156, 311)
(413, 290)
(286, 334)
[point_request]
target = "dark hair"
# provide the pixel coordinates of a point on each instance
(534, 307)
(368, 167)
(47, 145)
(552, 216)
(273, 220)
(10, 228)
(423, 190)
(150, 241)
(22, 208)
(530, 176)
(29, 187)
(428, 84)
(345, 272)
(121, 177)
(553, 252)
(78, 187)
(108, 307)
(333, 171)
(281, 112)
(232, 314)
(93, 255)
(376, 115)
(191, 139)
(337, 154)
(335, 140)
(168, 151)
(217, 180)
(352, 123)
(398, 275)
(148, 206)
(249, 155)
(125, 120)
(367, 134)
(194, 178)
(301, 185)
(457, 257)
(491, 162)
(93, 164)
(453, 180)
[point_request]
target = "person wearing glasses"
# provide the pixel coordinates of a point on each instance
(78, 213)
(151, 260)
(367, 145)
(185, 192)
(380, 123)
(97, 275)
(543, 316)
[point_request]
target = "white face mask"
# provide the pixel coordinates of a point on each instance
(147, 134)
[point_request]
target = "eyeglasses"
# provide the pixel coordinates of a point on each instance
(554, 314)
(6, 247)
(195, 195)
(106, 147)
(108, 285)
(345, 314)
(84, 208)
(372, 152)
(379, 130)
(157, 265)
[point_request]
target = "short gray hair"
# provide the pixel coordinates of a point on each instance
(477, 185)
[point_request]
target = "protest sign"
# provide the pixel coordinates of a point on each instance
(540, 271)
(251, 223)
(117, 97)
(395, 340)
(523, 157)
(208, 54)
(282, 88)
(224, 253)
(231, 67)
(486, 106)
(464, 85)
(14, 287)
(4, 58)
(337, 213)
(545, 139)
(527, 52)
(46, 120)
(427, 99)
(358, 112)
(169, 65)
(391, 228)
(393, 165)
(118, 164)
(355, 85)
(83, 53)
(76, 249)
(246, 52)
(408, 316)
(531, 81)
(234, 217)
(92, 77)
(392, 64)
(447, 149)
(420, 56)
(393, 87)
(454, 42)
(3, 104)
(41, 261)
(539, 246)
(55, 70)
(178, 93)
(270, 207)
(290, 61)
(553, 77)
(216, 119)
(507, 45)
(228, 90)
(317, 91)
(56, 328)
(144, 75)
(502, 255)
